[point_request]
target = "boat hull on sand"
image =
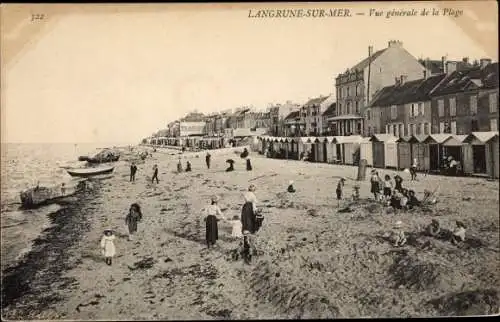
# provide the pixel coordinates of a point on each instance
(40, 196)
(89, 172)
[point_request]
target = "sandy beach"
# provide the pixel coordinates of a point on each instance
(313, 263)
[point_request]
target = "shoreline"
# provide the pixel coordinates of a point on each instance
(336, 262)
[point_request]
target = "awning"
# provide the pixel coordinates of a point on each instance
(307, 139)
(405, 139)
(387, 138)
(345, 117)
(482, 137)
(320, 139)
(455, 140)
(347, 139)
(418, 138)
(437, 138)
(330, 139)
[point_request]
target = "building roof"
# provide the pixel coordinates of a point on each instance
(293, 115)
(348, 139)
(330, 110)
(382, 137)
(438, 138)
(481, 136)
(316, 101)
(413, 91)
(476, 77)
(364, 63)
(345, 117)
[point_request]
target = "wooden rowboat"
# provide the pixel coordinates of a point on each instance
(89, 172)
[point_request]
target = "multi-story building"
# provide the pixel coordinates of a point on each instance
(277, 117)
(403, 108)
(295, 124)
(467, 100)
(356, 87)
(311, 113)
(328, 128)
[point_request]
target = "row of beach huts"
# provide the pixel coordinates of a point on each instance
(477, 153)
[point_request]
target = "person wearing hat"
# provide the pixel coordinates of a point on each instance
(213, 215)
(179, 165)
(133, 217)
(375, 184)
(249, 211)
(249, 165)
(207, 159)
(155, 174)
(290, 188)
(188, 166)
(108, 246)
(452, 166)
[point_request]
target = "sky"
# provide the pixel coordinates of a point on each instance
(120, 77)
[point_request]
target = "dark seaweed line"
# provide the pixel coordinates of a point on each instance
(29, 287)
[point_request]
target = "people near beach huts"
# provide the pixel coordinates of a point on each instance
(213, 215)
(458, 233)
(133, 170)
(452, 166)
(207, 160)
(398, 183)
(237, 227)
(155, 174)
(244, 154)
(133, 217)
(179, 165)
(387, 187)
(249, 165)
(188, 166)
(412, 200)
(108, 246)
(413, 169)
(290, 188)
(249, 220)
(340, 189)
(375, 181)
(231, 165)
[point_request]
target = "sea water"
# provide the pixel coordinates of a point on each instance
(23, 165)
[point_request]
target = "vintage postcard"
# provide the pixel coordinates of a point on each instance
(249, 160)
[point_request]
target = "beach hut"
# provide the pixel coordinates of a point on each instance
(404, 152)
(294, 143)
(453, 146)
(331, 153)
(349, 148)
(366, 151)
(306, 144)
(436, 151)
(319, 149)
(385, 152)
(480, 153)
(420, 151)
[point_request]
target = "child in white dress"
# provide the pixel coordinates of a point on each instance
(108, 246)
(237, 227)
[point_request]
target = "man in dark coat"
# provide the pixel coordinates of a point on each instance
(133, 170)
(133, 217)
(155, 174)
(207, 160)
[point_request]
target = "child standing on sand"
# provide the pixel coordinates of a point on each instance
(108, 246)
(387, 187)
(236, 223)
(340, 187)
(133, 217)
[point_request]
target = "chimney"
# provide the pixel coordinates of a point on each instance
(370, 51)
(443, 63)
(451, 66)
(425, 73)
(394, 43)
(484, 62)
(466, 60)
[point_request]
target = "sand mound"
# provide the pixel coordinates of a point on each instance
(415, 274)
(273, 284)
(477, 302)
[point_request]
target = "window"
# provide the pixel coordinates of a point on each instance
(420, 109)
(401, 130)
(394, 129)
(348, 91)
(394, 112)
(493, 125)
(387, 129)
(358, 90)
(368, 115)
(441, 109)
(426, 128)
(441, 127)
(454, 127)
(419, 129)
(348, 107)
(473, 104)
(357, 107)
(413, 110)
(412, 129)
(474, 126)
(493, 103)
(369, 130)
(339, 110)
(447, 127)
(453, 106)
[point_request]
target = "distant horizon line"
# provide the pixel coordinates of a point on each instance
(76, 143)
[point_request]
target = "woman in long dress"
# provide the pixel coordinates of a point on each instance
(249, 211)
(214, 214)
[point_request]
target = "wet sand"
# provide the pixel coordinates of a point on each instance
(313, 262)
